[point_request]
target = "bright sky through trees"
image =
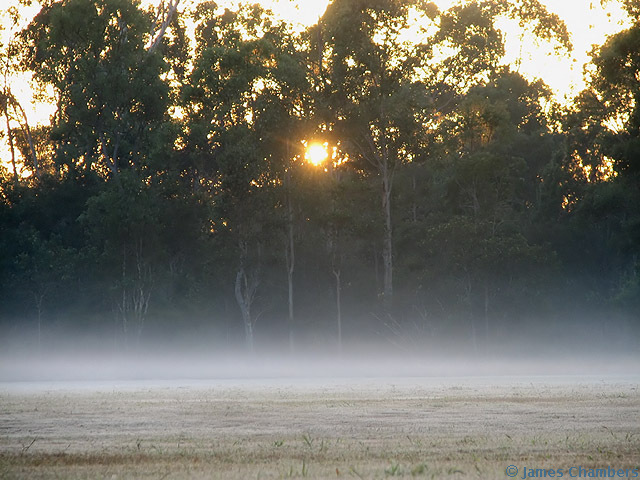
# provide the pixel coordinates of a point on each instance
(588, 21)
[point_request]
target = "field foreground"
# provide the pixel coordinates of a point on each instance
(341, 428)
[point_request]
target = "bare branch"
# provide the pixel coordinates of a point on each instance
(163, 19)
(26, 130)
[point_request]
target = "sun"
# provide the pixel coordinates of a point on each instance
(316, 154)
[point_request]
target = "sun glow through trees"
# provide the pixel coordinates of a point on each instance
(316, 154)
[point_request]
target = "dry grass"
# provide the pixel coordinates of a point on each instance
(362, 429)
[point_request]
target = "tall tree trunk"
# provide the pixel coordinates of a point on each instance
(290, 269)
(123, 301)
(136, 290)
(468, 299)
(379, 157)
(336, 274)
(387, 241)
(335, 253)
(39, 297)
(245, 290)
(141, 292)
(243, 297)
(290, 259)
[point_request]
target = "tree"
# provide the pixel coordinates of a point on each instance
(233, 99)
(172, 183)
(12, 111)
(111, 100)
(123, 224)
(478, 203)
(383, 93)
(40, 248)
(10, 107)
(603, 147)
(365, 73)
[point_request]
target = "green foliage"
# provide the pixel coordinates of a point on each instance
(110, 96)
(600, 184)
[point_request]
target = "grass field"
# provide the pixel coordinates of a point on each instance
(458, 428)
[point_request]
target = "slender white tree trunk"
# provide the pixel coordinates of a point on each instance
(387, 245)
(290, 270)
(244, 298)
(246, 286)
(290, 259)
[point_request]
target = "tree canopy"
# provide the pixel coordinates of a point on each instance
(172, 193)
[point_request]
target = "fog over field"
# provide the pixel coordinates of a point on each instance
(365, 364)
(171, 358)
(374, 410)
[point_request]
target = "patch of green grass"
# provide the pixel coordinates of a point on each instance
(420, 469)
(394, 470)
(307, 440)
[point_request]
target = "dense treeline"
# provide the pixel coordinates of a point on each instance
(173, 194)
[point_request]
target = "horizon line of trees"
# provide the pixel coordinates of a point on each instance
(171, 194)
